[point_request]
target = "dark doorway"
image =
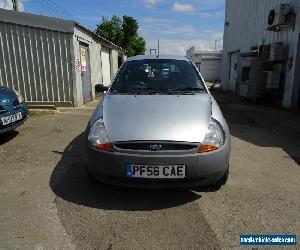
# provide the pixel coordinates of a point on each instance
(85, 72)
(120, 61)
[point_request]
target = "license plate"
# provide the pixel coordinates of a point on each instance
(151, 171)
(12, 118)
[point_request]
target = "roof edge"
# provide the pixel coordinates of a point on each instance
(49, 23)
(99, 37)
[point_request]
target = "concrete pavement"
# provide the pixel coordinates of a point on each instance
(48, 202)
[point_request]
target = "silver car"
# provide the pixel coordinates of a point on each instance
(158, 128)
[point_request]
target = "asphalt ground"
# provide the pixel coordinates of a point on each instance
(47, 200)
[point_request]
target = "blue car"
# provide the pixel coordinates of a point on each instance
(13, 110)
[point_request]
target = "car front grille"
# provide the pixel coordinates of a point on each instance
(148, 146)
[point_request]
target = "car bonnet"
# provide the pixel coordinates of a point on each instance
(183, 118)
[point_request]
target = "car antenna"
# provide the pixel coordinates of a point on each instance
(157, 47)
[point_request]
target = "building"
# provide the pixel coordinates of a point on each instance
(52, 61)
(208, 63)
(262, 49)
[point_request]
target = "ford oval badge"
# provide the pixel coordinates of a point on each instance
(155, 147)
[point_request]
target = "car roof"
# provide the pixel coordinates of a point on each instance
(145, 57)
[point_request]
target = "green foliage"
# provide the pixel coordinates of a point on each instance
(111, 29)
(137, 46)
(123, 33)
(130, 27)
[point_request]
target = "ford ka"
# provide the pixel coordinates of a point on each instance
(158, 126)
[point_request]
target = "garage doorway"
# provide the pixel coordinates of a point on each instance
(120, 61)
(105, 59)
(85, 72)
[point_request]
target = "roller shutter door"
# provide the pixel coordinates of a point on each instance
(211, 69)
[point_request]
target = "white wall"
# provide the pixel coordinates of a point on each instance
(113, 62)
(95, 62)
(247, 24)
(209, 63)
(190, 53)
(105, 63)
(211, 69)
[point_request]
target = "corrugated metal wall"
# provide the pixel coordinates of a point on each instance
(247, 26)
(36, 62)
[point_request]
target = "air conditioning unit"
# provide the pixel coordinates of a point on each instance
(249, 77)
(279, 16)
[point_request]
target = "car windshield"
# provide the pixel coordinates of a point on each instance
(157, 76)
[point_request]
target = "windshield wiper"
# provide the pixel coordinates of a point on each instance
(149, 89)
(192, 89)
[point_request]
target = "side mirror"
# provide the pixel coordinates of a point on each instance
(215, 86)
(100, 88)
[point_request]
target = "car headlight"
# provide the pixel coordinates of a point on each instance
(98, 137)
(20, 98)
(214, 137)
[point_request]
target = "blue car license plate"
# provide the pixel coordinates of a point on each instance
(11, 118)
(155, 171)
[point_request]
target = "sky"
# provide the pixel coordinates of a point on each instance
(179, 24)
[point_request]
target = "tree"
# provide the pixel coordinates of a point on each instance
(137, 46)
(123, 33)
(130, 28)
(111, 30)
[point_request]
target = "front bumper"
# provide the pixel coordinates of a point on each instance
(23, 109)
(201, 169)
